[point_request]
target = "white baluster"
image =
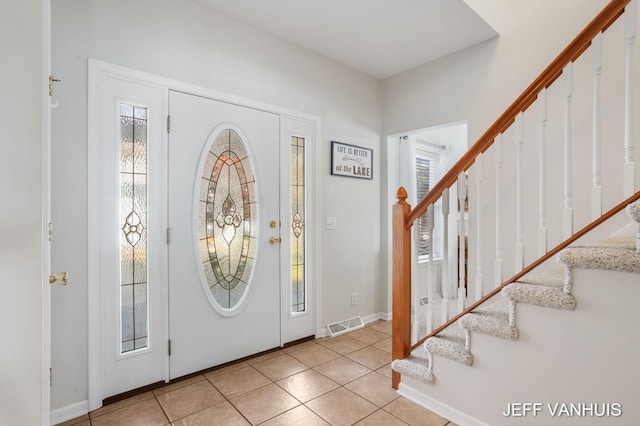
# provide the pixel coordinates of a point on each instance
(431, 270)
(479, 226)
(596, 185)
(445, 256)
(568, 162)
(519, 123)
(629, 129)
(415, 295)
(462, 194)
(542, 200)
(498, 159)
(416, 291)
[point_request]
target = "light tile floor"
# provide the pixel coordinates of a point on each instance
(344, 380)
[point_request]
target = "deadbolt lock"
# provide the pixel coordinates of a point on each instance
(273, 224)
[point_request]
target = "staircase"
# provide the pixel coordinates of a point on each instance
(498, 348)
(552, 288)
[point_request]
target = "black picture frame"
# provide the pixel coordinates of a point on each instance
(351, 161)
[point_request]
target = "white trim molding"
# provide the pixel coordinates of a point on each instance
(436, 406)
(69, 412)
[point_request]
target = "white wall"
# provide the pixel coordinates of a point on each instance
(188, 42)
(478, 83)
(21, 213)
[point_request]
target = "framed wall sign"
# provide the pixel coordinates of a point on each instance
(351, 161)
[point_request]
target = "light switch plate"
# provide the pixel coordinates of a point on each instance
(331, 223)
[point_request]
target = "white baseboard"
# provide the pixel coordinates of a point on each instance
(324, 332)
(376, 317)
(441, 409)
(69, 412)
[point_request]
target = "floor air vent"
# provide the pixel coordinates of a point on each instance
(345, 326)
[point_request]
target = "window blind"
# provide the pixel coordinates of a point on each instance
(427, 174)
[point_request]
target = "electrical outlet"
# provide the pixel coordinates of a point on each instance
(354, 299)
(331, 223)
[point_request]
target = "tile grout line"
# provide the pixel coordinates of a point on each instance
(308, 367)
(166, 415)
(332, 390)
(229, 400)
(343, 386)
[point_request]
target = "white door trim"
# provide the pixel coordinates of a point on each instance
(46, 212)
(98, 70)
(93, 244)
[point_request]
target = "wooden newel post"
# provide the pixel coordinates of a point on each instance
(401, 282)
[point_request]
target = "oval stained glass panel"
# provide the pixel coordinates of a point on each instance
(227, 219)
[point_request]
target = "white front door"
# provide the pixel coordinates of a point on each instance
(224, 227)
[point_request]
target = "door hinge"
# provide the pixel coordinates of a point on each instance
(169, 347)
(52, 80)
(168, 123)
(50, 377)
(168, 235)
(50, 231)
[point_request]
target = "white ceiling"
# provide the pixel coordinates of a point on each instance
(378, 37)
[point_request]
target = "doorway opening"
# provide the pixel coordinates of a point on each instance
(416, 160)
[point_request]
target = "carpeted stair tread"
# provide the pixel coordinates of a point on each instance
(540, 295)
(614, 254)
(450, 344)
(492, 320)
(416, 365)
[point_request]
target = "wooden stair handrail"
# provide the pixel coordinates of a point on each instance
(580, 43)
(582, 232)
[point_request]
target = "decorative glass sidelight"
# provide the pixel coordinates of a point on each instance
(227, 222)
(298, 284)
(133, 228)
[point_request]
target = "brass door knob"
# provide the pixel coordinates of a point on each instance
(274, 240)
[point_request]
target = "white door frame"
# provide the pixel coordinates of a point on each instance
(46, 213)
(99, 70)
